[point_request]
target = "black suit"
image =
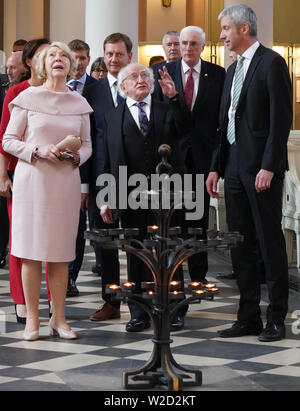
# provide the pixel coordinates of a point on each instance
(197, 146)
(126, 146)
(75, 266)
(262, 122)
(100, 99)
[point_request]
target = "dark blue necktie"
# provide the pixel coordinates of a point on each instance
(75, 84)
(143, 119)
(118, 97)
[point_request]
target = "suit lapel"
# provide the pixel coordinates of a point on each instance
(178, 77)
(226, 95)
(251, 70)
(203, 84)
(156, 120)
(117, 128)
(108, 92)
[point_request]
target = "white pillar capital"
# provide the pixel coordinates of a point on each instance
(109, 16)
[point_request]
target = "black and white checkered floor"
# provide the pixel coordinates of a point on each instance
(95, 360)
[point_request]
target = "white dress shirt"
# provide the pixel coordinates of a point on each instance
(80, 85)
(134, 110)
(196, 76)
(248, 54)
(113, 87)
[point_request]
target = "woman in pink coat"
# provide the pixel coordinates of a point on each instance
(46, 190)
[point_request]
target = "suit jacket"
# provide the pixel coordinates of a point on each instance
(263, 117)
(84, 169)
(204, 116)
(167, 121)
(100, 99)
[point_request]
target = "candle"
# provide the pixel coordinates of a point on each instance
(195, 284)
(148, 285)
(149, 294)
(176, 294)
(112, 288)
(199, 292)
(175, 285)
(209, 285)
(128, 285)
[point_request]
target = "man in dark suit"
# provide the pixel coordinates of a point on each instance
(201, 84)
(103, 97)
(133, 134)
(81, 51)
(171, 46)
(255, 122)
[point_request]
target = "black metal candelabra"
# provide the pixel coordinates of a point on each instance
(163, 252)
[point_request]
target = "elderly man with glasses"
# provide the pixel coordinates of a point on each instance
(134, 131)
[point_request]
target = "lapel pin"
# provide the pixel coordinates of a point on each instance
(205, 75)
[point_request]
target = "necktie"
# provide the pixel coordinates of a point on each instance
(119, 99)
(143, 119)
(189, 89)
(75, 85)
(237, 88)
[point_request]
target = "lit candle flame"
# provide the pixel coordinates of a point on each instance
(113, 286)
(210, 285)
(127, 284)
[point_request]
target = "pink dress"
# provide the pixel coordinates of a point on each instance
(46, 196)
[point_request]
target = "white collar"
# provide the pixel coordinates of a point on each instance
(186, 68)
(81, 80)
(131, 102)
(111, 79)
(249, 53)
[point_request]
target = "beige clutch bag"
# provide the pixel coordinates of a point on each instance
(72, 143)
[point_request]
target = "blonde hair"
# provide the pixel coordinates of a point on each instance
(41, 67)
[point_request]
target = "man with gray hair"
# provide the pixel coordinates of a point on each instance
(200, 83)
(171, 46)
(255, 122)
(134, 131)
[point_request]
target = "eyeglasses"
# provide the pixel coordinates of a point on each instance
(143, 75)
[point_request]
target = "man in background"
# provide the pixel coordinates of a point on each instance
(103, 97)
(81, 51)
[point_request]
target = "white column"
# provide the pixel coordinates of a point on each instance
(264, 11)
(67, 20)
(110, 16)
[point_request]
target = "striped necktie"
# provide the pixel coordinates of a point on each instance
(237, 88)
(143, 119)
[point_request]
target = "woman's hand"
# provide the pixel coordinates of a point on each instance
(49, 152)
(5, 186)
(71, 156)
